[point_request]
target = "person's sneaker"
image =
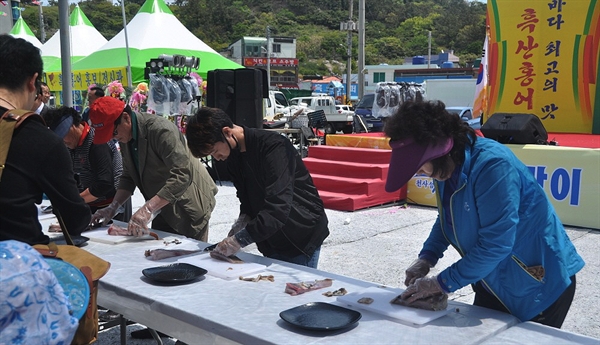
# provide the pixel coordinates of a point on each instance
(145, 334)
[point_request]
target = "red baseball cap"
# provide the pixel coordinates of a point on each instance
(408, 157)
(103, 114)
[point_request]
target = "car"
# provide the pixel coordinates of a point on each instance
(466, 114)
(343, 109)
(364, 116)
(365, 106)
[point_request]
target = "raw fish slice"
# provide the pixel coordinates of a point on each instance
(302, 287)
(437, 302)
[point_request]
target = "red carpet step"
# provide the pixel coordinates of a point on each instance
(350, 178)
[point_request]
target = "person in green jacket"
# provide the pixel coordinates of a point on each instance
(179, 192)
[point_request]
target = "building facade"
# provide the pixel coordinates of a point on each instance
(251, 52)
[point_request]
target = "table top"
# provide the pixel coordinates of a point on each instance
(535, 333)
(229, 311)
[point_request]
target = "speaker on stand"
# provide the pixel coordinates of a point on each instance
(508, 128)
(239, 93)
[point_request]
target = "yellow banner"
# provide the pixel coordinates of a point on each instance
(543, 59)
(81, 80)
(569, 176)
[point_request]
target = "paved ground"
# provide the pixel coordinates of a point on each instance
(377, 245)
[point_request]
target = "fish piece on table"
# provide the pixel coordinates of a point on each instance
(159, 254)
(231, 258)
(302, 287)
(436, 302)
(54, 227)
(338, 292)
(115, 230)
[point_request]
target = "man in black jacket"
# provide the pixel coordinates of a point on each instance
(38, 162)
(280, 207)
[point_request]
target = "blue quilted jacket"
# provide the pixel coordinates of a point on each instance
(503, 223)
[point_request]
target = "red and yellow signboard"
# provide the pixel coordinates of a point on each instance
(543, 59)
(81, 80)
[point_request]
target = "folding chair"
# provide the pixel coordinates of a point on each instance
(316, 121)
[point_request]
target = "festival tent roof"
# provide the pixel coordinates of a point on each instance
(22, 30)
(153, 31)
(84, 38)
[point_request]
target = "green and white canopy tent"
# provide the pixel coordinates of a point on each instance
(84, 37)
(153, 31)
(22, 30)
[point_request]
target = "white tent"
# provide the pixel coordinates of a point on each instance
(153, 31)
(84, 37)
(22, 30)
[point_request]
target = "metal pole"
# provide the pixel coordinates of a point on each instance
(361, 48)
(269, 57)
(349, 67)
(42, 29)
(129, 76)
(429, 54)
(65, 53)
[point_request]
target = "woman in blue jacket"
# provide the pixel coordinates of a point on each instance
(515, 251)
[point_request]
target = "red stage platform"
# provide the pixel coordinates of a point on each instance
(350, 178)
(350, 171)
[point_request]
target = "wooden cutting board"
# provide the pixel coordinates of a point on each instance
(101, 235)
(222, 269)
(381, 305)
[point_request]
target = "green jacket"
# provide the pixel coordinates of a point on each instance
(168, 169)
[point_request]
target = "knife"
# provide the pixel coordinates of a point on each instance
(210, 248)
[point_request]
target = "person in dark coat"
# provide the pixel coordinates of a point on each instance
(280, 208)
(37, 162)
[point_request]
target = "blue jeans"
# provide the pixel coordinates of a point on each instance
(300, 259)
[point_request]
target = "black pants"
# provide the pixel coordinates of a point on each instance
(553, 316)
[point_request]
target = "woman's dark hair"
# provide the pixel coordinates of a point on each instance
(204, 129)
(54, 116)
(428, 122)
(20, 61)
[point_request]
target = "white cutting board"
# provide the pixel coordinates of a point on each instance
(101, 235)
(382, 305)
(223, 269)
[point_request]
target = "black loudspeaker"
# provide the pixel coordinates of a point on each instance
(249, 97)
(510, 128)
(239, 93)
(220, 91)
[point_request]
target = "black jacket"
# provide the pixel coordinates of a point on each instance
(38, 162)
(276, 190)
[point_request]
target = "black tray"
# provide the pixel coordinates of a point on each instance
(174, 273)
(320, 316)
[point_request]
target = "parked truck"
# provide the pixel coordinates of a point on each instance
(336, 121)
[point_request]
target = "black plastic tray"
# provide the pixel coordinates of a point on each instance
(320, 316)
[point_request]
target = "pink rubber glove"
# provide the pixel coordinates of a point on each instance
(418, 269)
(228, 246)
(422, 288)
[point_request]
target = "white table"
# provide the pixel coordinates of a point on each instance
(213, 310)
(535, 333)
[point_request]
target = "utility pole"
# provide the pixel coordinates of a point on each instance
(42, 29)
(361, 48)
(65, 53)
(351, 27)
(429, 51)
(269, 56)
(129, 76)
